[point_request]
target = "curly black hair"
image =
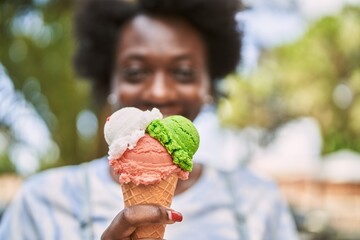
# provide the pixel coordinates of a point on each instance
(97, 24)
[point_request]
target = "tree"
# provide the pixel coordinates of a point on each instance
(36, 46)
(317, 76)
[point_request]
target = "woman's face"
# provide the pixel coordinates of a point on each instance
(161, 62)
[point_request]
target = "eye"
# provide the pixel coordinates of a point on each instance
(134, 74)
(184, 75)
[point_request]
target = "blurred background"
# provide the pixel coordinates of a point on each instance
(296, 96)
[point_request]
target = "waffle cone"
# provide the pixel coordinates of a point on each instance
(160, 193)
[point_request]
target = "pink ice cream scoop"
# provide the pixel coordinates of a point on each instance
(147, 163)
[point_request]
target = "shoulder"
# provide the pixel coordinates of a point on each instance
(248, 179)
(260, 202)
(58, 183)
(252, 190)
(52, 203)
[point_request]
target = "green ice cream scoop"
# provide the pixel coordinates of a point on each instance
(179, 136)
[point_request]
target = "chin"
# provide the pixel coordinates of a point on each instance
(171, 111)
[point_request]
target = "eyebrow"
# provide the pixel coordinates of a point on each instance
(141, 56)
(134, 57)
(183, 57)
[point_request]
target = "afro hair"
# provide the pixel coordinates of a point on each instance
(99, 22)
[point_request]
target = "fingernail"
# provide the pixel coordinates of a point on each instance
(175, 216)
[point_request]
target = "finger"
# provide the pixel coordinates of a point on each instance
(150, 214)
(125, 223)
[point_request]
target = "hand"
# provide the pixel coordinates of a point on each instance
(126, 222)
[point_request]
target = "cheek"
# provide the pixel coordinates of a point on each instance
(193, 97)
(192, 102)
(198, 92)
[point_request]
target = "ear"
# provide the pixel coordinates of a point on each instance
(113, 101)
(207, 99)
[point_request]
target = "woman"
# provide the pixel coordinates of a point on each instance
(166, 54)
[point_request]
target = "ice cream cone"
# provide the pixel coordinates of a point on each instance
(149, 154)
(160, 193)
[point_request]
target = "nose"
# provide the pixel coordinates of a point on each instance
(159, 89)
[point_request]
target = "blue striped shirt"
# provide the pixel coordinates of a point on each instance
(79, 202)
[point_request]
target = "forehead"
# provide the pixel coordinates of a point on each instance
(164, 36)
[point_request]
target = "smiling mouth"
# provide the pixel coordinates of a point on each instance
(169, 111)
(166, 110)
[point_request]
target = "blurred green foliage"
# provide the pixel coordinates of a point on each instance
(300, 79)
(36, 43)
(317, 76)
(6, 165)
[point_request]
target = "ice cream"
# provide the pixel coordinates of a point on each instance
(148, 159)
(125, 127)
(148, 163)
(149, 154)
(179, 136)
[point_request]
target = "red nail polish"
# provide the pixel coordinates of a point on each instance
(176, 216)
